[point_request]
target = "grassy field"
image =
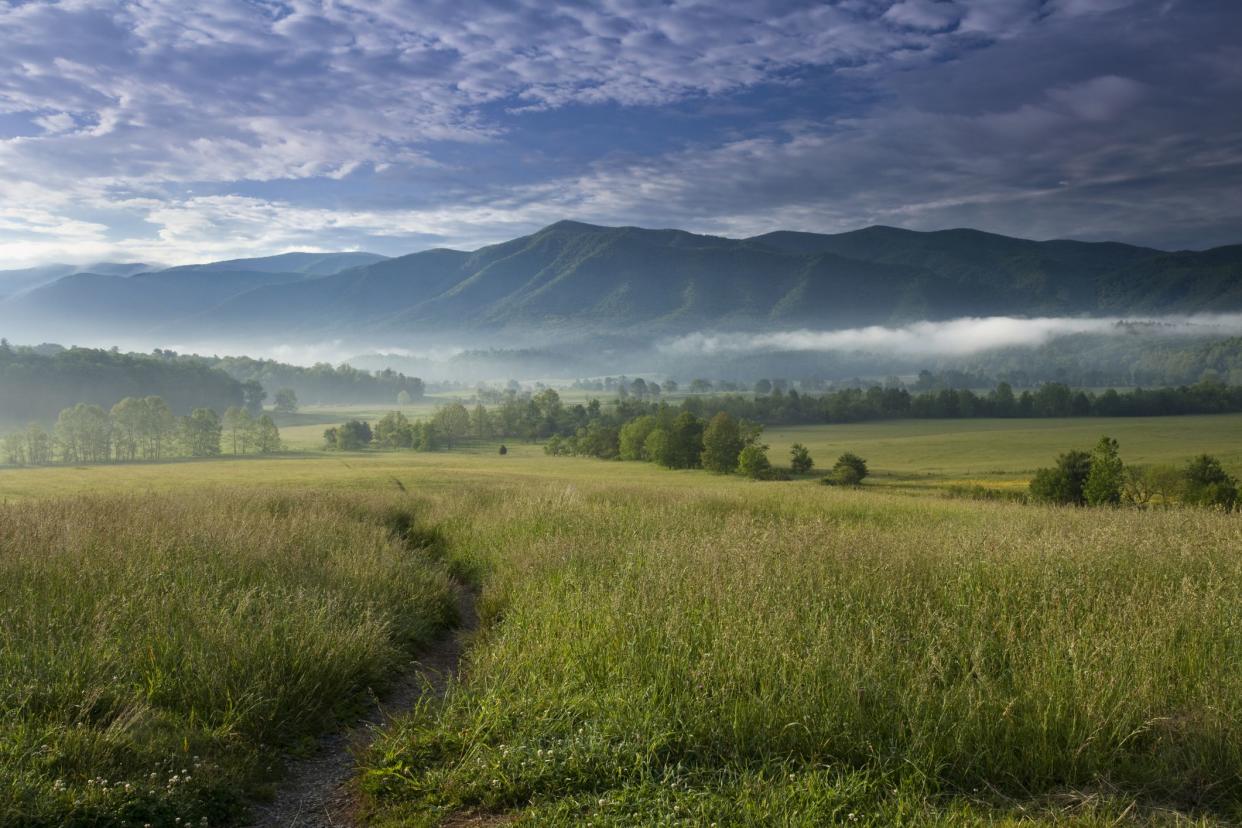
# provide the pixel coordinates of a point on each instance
(657, 647)
(1006, 452)
(793, 655)
(158, 653)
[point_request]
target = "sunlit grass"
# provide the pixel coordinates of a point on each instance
(658, 646)
(791, 655)
(157, 652)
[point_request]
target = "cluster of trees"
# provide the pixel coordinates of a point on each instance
(675, 440)
(139, 428)
(448, 426)
(624, 387)
(38, 382)
(320, 383)
(1100, 478)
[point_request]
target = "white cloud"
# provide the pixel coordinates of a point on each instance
(141, 102)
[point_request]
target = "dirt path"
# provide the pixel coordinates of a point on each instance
(316, 791)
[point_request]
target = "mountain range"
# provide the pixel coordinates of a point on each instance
(574, 279)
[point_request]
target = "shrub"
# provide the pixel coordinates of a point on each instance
(800, 459)
(722, 444)
(849, 470)
(1205, 483)
(353, 435)
(1106, 475)
(1063, 484)
(752, 461)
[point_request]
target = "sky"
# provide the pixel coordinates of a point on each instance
(169, 131)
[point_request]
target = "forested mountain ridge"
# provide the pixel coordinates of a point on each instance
(572, 277)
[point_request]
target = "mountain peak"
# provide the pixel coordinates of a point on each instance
(572, 226)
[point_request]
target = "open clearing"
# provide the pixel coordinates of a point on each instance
(655, 647)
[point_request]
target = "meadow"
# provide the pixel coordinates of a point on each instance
(916, 454)
(159, 654)
(657, 647)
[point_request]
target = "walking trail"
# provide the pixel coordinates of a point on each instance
(317, 792)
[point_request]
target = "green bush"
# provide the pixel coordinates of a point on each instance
(849, 470)
(1063, 484)
(1207, 484)
(800, 461)
(753, 462)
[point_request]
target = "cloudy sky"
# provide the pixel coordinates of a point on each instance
(171, 131)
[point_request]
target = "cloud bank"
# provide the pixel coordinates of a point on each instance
(177, 131)
(955, 337)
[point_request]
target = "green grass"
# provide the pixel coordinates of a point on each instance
(158, 652)
(1006, 452)
(657, 647)
(775, 654)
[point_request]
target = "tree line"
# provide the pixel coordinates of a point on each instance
(773, 402)
(594, 428)
(674, 437)
(37, 383)
(1100, 478)
(317, 384)
(1049, 400)
(140, 428)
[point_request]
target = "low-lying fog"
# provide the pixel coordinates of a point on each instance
(827, 354)
(954, 337)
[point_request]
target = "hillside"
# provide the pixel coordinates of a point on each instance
(579, 279)
(122, 298)
(17, 281)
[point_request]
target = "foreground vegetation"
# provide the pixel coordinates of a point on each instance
(158, 652)
(657, 646)
(746, 654)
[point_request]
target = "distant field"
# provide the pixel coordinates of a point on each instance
(1002, 452)
(918, 453)
(913, 454)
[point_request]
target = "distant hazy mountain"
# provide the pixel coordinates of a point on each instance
(18, 281)
(580, 279)
(127, 299)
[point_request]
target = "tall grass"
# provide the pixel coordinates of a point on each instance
(786, 655)
(155, 650)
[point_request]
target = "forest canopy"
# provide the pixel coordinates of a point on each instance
(38, 382)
